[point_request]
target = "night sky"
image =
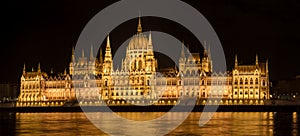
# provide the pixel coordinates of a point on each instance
(45, 31)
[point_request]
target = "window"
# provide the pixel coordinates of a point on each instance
(241, 81)
(105, 83)
(246, 81)
(241, 92)
(256, 81)
(251, 81)
(264, 83)
(148, 82)
(140, 65)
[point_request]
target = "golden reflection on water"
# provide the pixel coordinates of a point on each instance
(54, 124)
(140, 116)
(222, 123)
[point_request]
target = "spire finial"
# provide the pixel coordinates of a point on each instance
(150, 38)
(107, 42)
(24, 69)
(91, 53)
(267, 66)
(65, 72)
(82, 53)
(100, 56)
(182, 50)
(51, 70)
(139, 29)
(256, 59)
(39, 67)
(236, 60)
(73, 55)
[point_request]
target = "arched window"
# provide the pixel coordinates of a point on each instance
(241, 81)
(236, 81)
(256, 81)
(140, 65)
(246, 81)
(105, 82)
(264, 83)
(251, 81)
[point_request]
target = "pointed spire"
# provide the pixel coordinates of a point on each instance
(107, 42)
(236, 61)
(91, 53)
(150, 38)
(267, 66)
(108, 50)
(256, 60)
(139, 29)
(51, 70)
(208, 51)
(65, 72)
(24, 69)
(39, 67)
(100, 56)
(182, 50)
(73, 54)
(82, 53)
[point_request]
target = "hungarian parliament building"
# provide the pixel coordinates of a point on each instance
(92, 81)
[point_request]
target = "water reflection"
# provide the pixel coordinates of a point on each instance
(222, 123)
(7, 123)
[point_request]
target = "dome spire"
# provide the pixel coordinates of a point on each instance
(139, 29)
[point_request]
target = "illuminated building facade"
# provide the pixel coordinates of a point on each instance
(92, 79)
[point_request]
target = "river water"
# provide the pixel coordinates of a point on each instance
(222, 123)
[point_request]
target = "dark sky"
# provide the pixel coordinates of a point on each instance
(45, 31)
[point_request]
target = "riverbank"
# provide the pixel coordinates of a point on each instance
(197, 108)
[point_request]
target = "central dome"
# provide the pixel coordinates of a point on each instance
(138, 42)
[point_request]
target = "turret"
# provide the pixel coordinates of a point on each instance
(108, 64)
(39, 68)
(182, 58)
(236, 61)
(256, 60)
(24, 70)
(91, 54)
(72, 63)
